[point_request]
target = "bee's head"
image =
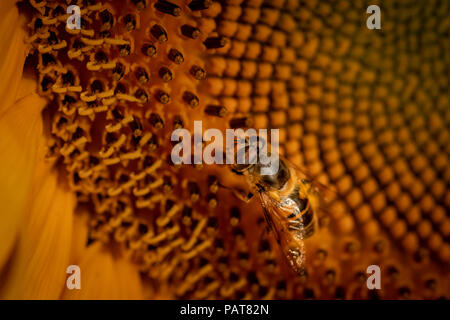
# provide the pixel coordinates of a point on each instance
(275, 181)
(245, 155)
(257, 168)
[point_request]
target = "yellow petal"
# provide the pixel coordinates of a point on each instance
(28, 85)
(12, 53)
(98, 276)
(105, 275)
(9, 15)
(79, 235)
(128, 280)
(20, 136)
(38, 267)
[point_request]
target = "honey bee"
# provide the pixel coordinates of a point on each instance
(290, 201)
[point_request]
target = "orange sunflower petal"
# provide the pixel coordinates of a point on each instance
(9, 21)
(98, 276)
(20, 136)
(79, 236)
(38, 268)
(128, 279)
(106, 276)
(12, 53)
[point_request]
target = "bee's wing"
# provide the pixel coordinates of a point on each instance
(291, 245)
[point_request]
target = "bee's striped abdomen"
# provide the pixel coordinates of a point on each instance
(301, 218)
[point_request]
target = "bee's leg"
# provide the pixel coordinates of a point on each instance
(265, 231)
(237, 172)
(246, 197)
(270, 226)
(239, 193)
